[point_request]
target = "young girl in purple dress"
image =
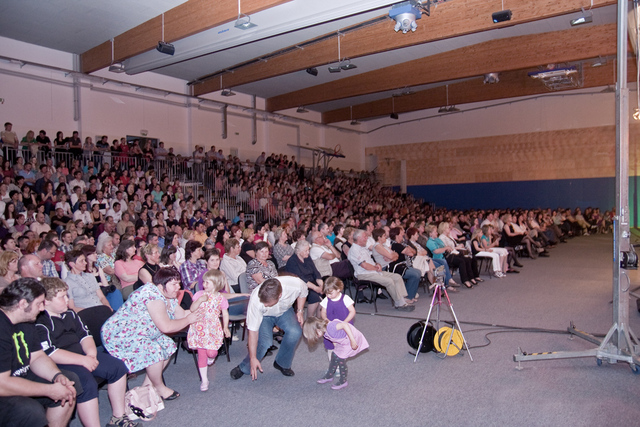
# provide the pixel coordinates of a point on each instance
(347, 341)
(336, 306)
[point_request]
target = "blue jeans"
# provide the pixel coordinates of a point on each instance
(292, 333)
(411, 278)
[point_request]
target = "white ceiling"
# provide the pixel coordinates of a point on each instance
(78, 25)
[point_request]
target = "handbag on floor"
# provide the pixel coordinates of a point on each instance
(143, 403)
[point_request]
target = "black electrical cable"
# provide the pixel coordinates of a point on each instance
(489, 326)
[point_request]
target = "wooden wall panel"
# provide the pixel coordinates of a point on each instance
(562, 154)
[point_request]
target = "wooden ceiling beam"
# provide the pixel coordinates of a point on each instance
(512, 84)
(493, 56)
(182, 21)
(447, 20)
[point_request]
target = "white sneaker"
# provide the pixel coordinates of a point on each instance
(210, 361)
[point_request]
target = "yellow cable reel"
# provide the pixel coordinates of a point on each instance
(444, 336)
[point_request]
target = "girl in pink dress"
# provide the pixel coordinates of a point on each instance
(207, 336)
(347, 341)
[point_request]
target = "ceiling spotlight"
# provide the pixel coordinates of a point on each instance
(581, 20)
(491, 78)
(302, 110)
(117, 67)
(244, 22)
(394, 116)
(347, 65)
(227, 92)
(636, 114)
(584, 19)
(453, 109)
(503, 15)
(334, 68)
(166, 48)
(405, 14)
(354, 122)
(443, 109)
(312, 71)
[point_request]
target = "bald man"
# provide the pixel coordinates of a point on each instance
(30, 266)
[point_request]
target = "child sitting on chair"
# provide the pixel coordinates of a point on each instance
(66, 340)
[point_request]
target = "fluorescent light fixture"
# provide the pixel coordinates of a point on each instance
(227, 92)
(312, 71)
(354, 122)
(244, 22)
(117, 67)
(302, 110)
(334, 68)
(453, 109)
(347, 65)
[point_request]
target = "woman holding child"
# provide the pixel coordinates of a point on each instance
(136, 333)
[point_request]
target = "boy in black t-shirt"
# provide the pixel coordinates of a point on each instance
(66, 339)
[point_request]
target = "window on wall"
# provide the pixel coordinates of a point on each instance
(142, 141)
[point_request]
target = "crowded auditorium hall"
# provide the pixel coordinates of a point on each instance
(194, 224)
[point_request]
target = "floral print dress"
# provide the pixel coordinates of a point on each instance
(208, 334)
(130, 334)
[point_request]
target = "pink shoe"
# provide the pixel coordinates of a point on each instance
(339, 386)
(204, 386)
(324, 380)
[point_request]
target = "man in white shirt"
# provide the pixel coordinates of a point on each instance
(83, 214)
(101, 202)
(78, 181)
(365, 268)
(270, 305)
(115, 212)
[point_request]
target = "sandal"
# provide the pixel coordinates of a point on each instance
(479, 280)
(468, 284)
(173, 396)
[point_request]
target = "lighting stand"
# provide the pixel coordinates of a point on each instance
(436, 301)
(620, 344)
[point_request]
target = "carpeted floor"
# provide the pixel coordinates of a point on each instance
(387, 388)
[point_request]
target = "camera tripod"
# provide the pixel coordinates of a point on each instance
(452, 337)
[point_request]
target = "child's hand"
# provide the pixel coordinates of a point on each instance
(354, 345)
(203, 298)
(90, 363)
(227, 333)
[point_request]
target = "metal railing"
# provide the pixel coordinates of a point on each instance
(196, 178)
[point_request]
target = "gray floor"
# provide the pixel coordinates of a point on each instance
(387, 388)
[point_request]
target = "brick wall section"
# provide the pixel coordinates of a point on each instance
(561, 154)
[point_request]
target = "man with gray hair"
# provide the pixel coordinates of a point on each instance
(326, 257)
(366, 268)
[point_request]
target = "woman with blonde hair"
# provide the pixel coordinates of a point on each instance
(8, 268)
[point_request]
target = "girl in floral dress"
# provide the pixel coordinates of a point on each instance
(207, 335)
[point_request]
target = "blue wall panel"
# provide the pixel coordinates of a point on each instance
(568, 193)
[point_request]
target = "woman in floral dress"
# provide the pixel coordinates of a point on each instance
(136, 334)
